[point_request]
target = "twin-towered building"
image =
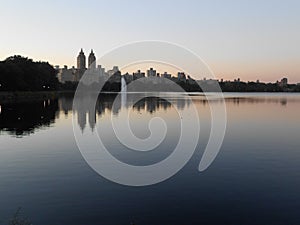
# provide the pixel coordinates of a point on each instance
(81, 60)
(74, 74)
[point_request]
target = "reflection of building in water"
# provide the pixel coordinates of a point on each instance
(81, 119)
(66, 104)
(104, 103)
(283, 101)
(165, 104)
(85, 106)
(92, 118)
(140, 105)
(112, 103)
(116, 106)
(180, 103)
(151, 104)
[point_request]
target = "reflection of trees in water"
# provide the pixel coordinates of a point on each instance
(257, 100)
(23, 118)
(249, 100)
(111, 103)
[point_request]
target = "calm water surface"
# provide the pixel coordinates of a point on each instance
(255, 179)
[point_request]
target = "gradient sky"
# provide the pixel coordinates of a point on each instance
(253, 39)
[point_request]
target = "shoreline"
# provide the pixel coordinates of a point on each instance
(8, 96)
(52, 94)
(21, 96)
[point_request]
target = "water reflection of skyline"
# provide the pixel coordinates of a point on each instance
(108, 104)
(21, 119)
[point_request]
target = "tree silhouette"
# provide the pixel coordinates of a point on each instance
(18, 73)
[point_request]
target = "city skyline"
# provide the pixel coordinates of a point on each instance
(150, 112)
(235, 38)
(147, 69)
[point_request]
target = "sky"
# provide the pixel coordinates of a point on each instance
(247, 39)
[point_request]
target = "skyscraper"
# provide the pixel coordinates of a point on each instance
(81, 61)
(92, 60)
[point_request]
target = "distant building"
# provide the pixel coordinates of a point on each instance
(166, 75)
(138, 75)
(114, 70)
(213, 82)
(81, 61)
(101, 70)
(75, 74)
(181, 76)
(128, 77)
(64, 74)
(151, 72)
(92, 60)
(81, 65)
(283, 82)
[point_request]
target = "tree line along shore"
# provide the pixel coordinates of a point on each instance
(21, 77)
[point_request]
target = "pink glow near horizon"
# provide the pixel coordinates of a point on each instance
(249, 40)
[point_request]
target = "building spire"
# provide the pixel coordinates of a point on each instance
(81, 60)
(92, 60)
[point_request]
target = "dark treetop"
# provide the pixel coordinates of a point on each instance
(18, 73)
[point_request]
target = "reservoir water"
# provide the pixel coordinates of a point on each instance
(255, 178)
